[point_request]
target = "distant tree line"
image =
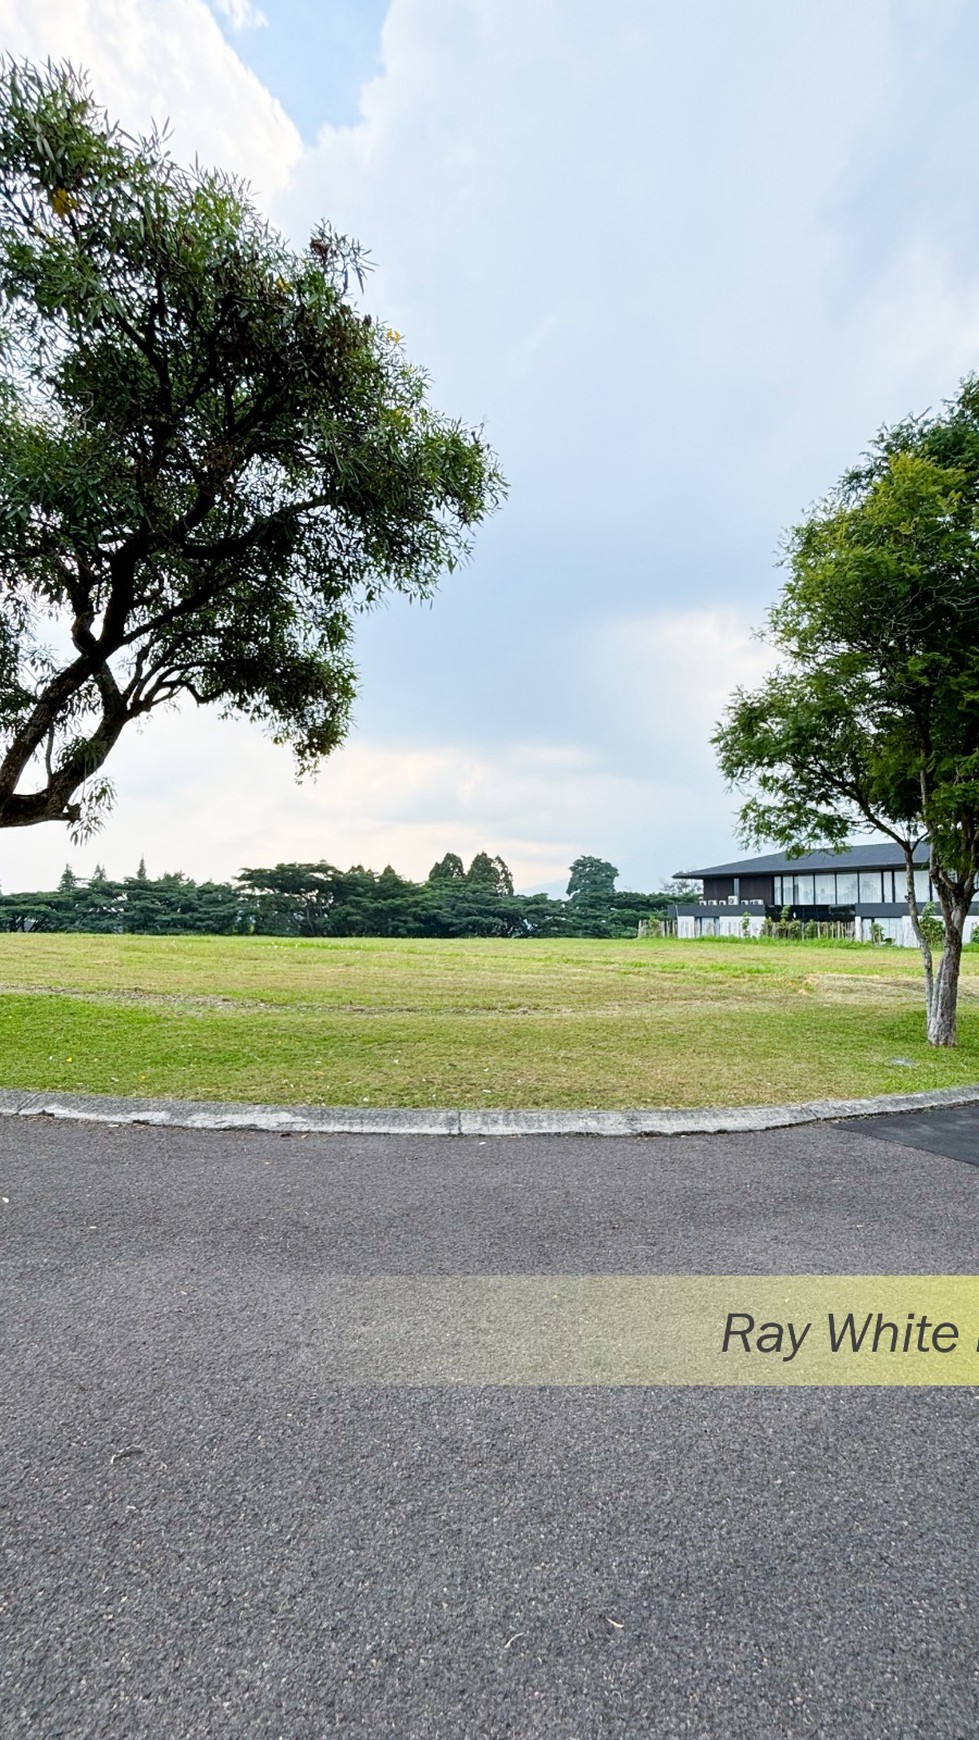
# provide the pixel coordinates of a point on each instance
(318, 900)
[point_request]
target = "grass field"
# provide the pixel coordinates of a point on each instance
(471, 1023)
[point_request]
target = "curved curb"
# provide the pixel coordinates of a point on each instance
(360, 1121)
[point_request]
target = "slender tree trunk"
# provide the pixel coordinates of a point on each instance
(955, 894)
(924, 945)
(944, 1002)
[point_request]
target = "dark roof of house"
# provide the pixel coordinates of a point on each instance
(886, 857)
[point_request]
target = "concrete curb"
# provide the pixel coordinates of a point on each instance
(364, 1121)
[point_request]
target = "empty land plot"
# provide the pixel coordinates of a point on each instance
(475, 1022)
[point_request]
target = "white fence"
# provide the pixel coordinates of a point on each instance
(897, 931)
(720, 926)
(900, 931)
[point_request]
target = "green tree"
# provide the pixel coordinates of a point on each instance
(448, 869)
(209, 459)
(592, 879)
(871, 719)
(292, 899)
(489, 873)
(97, 905)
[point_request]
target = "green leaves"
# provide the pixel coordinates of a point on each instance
(872, 720)
(592, 880)
(875, 713)
(210, 460)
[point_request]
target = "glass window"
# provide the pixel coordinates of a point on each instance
(921, 892)
(846, 887)
(826, 890)
(870, 891)
(804, 895)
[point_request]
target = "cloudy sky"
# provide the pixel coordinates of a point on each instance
(681, 261)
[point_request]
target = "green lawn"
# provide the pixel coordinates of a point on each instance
(471, 1023)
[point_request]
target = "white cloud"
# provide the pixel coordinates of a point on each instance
(666, 678)
(625, 240)
(209, 797)
(242, 14)
(649, 246)
(165, 60)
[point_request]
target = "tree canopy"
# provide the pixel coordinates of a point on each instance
(870, 721)
(319, 900)
(591, 879)
(448, 869)
(210, 460)
(489, 873)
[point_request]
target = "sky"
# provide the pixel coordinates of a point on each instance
(681, 263)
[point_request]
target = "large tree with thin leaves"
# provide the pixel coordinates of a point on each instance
(871, 719)
(210, 459)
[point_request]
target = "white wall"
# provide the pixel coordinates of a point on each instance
(899, 930)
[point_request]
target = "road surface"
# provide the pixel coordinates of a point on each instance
(206, 1529)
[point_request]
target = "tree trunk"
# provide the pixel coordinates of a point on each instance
(956, 898)
(944, 999)
(923, 943)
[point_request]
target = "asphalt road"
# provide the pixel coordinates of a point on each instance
(204, 1531)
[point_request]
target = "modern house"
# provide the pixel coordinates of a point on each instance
(858, 889)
